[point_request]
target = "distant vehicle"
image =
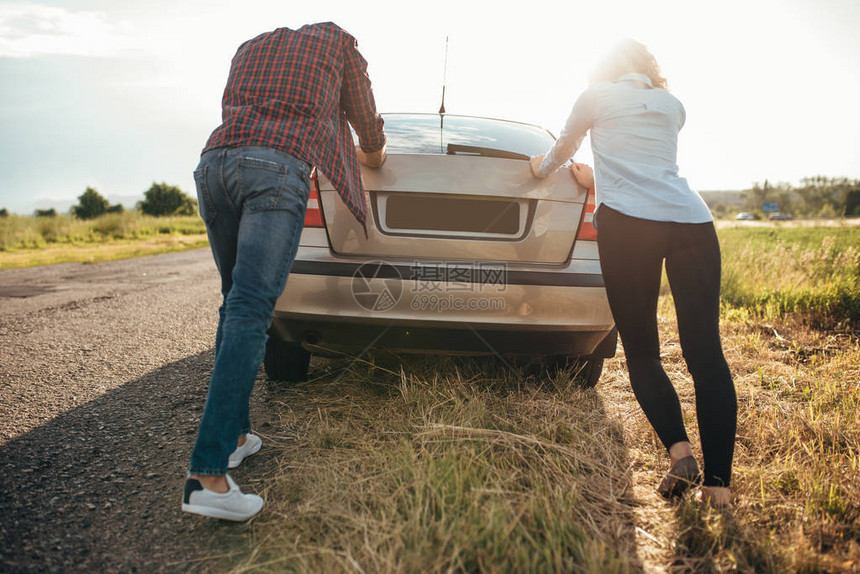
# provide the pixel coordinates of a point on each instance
(465, 253)
(744, 216)
(780, 216)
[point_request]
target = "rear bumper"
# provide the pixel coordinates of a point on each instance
(413, 273)
(342, 304)
(327, 337)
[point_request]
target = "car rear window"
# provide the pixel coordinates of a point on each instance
(431, 134)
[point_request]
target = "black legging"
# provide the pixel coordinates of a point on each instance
(632, 251)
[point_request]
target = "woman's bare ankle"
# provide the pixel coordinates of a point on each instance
(717, 496)
(680, 450)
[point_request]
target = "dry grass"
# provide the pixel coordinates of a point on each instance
(796, 481)
(442, 465)
(471, 470)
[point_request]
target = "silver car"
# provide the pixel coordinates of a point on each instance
(465, 253)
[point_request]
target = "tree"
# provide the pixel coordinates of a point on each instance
(828, 195)
(719, 210)
(817, 196)
(758, 195)
(45, 212)
(4, 212)
(90, 205)
(852, 202)
(163, 199)
(118, 208)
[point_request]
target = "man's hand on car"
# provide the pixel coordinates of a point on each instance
(372, 159)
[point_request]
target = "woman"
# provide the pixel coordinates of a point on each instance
(647, 214)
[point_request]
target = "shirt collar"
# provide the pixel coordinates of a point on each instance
(635, 77)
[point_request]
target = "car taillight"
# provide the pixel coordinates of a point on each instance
(313, 214)
(586, 226)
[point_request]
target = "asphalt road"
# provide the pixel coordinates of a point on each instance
(103, 375)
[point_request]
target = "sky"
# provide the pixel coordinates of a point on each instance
(118, 95)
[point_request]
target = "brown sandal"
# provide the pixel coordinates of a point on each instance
(682, 475)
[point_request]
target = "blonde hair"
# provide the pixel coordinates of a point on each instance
(625, 57)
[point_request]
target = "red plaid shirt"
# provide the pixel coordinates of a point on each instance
(295, 90)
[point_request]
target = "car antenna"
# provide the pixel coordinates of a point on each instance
(444, 78)
(442, 107)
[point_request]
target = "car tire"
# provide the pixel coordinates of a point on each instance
(285, 361)
(590, 373)
(587, 369)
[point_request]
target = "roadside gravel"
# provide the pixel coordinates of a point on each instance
(103, 375)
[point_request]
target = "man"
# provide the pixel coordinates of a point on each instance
(288, 98)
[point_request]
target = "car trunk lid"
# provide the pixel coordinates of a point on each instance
(458, 207)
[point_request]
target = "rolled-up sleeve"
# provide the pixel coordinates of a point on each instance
(577, 125)
(357, 99)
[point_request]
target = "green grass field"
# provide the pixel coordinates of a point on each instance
(810, 271)
(26, 241)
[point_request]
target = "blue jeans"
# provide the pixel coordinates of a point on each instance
(253, 201)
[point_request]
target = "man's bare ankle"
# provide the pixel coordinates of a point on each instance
(215, 483)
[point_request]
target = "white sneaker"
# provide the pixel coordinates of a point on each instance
(231, 505)
(252, 445)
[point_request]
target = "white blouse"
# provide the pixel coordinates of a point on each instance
(634, 139)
